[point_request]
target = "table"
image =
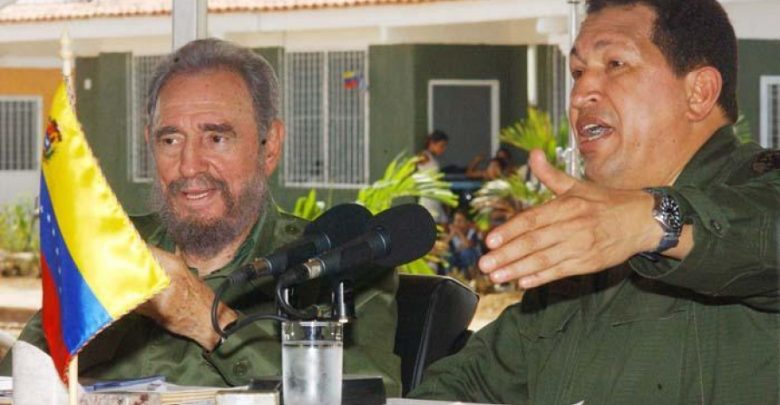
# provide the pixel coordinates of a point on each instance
(408, 401)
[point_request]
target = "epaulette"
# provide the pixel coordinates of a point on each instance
(766, 161)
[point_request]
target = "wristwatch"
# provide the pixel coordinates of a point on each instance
(666, 211)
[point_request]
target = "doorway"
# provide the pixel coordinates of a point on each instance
(468, 111)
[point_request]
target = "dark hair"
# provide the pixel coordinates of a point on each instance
(214, 54)
(506, 151)
(436, 136)
(692, 34)
(502, 163)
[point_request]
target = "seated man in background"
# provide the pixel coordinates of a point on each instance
(663, 265)
(216, 136)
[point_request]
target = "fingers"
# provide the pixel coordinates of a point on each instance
(511, 260)
(566, 268)
(541, 260)
(555, 180)
(535, 218)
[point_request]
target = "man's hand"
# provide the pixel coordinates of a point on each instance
(184, 308)
(585, 229)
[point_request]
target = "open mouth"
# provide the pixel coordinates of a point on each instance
(196, 195)
(592, 132)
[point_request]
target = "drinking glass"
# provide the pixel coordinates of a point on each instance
(312, 354)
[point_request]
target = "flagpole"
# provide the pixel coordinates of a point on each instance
(67, 72)
(73, 381)
(67, 67)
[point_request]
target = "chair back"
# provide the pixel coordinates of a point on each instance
(434, 313)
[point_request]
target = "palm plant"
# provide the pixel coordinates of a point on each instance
(400, 179)
(518, 191)
(536, 132)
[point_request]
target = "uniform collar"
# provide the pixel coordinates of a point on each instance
(707, 161)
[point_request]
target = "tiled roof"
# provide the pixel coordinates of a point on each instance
(39, 11)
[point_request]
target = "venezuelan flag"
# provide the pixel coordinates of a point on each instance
(95, 267)
(352, 79)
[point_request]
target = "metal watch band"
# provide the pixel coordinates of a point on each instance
(666, 211)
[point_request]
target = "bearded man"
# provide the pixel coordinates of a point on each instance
(216, 136)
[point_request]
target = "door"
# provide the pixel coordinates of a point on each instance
(467, 110)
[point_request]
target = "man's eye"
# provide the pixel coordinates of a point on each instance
(576, 74)
(217, 138)
(615, 64)
(168, 140)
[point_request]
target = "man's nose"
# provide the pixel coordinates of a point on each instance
(587, 90)
(193, 160)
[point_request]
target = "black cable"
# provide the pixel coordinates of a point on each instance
(232, 328)
(307, 314)
(215, 304)
(229, 281)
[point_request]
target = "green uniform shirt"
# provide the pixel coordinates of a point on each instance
(135, 346)
(704, 330)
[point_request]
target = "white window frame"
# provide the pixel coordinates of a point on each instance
(766, 83)
(325, 124)
(136, 112)
(37, 129)
(495, 103)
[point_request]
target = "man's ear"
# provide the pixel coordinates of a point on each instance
(272, 146)
(703, 86)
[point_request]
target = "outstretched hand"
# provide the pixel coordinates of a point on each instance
(587, 228)
(184, 307)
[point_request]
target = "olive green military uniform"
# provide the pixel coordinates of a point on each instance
(135, 346)
(704, 330)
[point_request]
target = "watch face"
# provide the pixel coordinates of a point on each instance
(671, 213)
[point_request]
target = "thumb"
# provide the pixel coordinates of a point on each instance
(555, 180)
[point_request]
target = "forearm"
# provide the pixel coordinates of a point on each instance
(730, 246)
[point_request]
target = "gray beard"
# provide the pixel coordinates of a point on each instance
(205, 238)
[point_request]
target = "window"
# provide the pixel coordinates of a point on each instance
(142, 163)
(20, 129)
(326, 118)
(770, 111)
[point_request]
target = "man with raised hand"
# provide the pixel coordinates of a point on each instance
(655, 279)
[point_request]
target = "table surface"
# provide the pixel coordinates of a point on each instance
(407, 401)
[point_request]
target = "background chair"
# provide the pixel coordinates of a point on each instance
(434, 313)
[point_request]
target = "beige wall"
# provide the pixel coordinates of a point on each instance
(30, 82)
(26, 82)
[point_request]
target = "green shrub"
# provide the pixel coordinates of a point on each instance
(18, 232)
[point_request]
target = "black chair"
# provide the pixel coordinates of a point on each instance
(434, 313)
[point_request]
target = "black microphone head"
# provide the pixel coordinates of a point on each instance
(333, 228)
(340, 224)
(410, 231)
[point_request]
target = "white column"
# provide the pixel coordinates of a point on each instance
(189, 21)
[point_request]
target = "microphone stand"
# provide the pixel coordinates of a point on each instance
(343, 301)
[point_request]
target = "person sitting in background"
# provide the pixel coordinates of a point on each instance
(505, 155)
(493, 170)
(435, 145)
(464, 244)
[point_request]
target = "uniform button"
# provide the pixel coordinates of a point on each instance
(240, 368)
(716, 225)
(292, 229)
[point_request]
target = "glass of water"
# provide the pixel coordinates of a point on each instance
(311, 362)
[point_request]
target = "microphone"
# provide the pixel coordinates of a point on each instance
(333, 228)
(393, 237)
